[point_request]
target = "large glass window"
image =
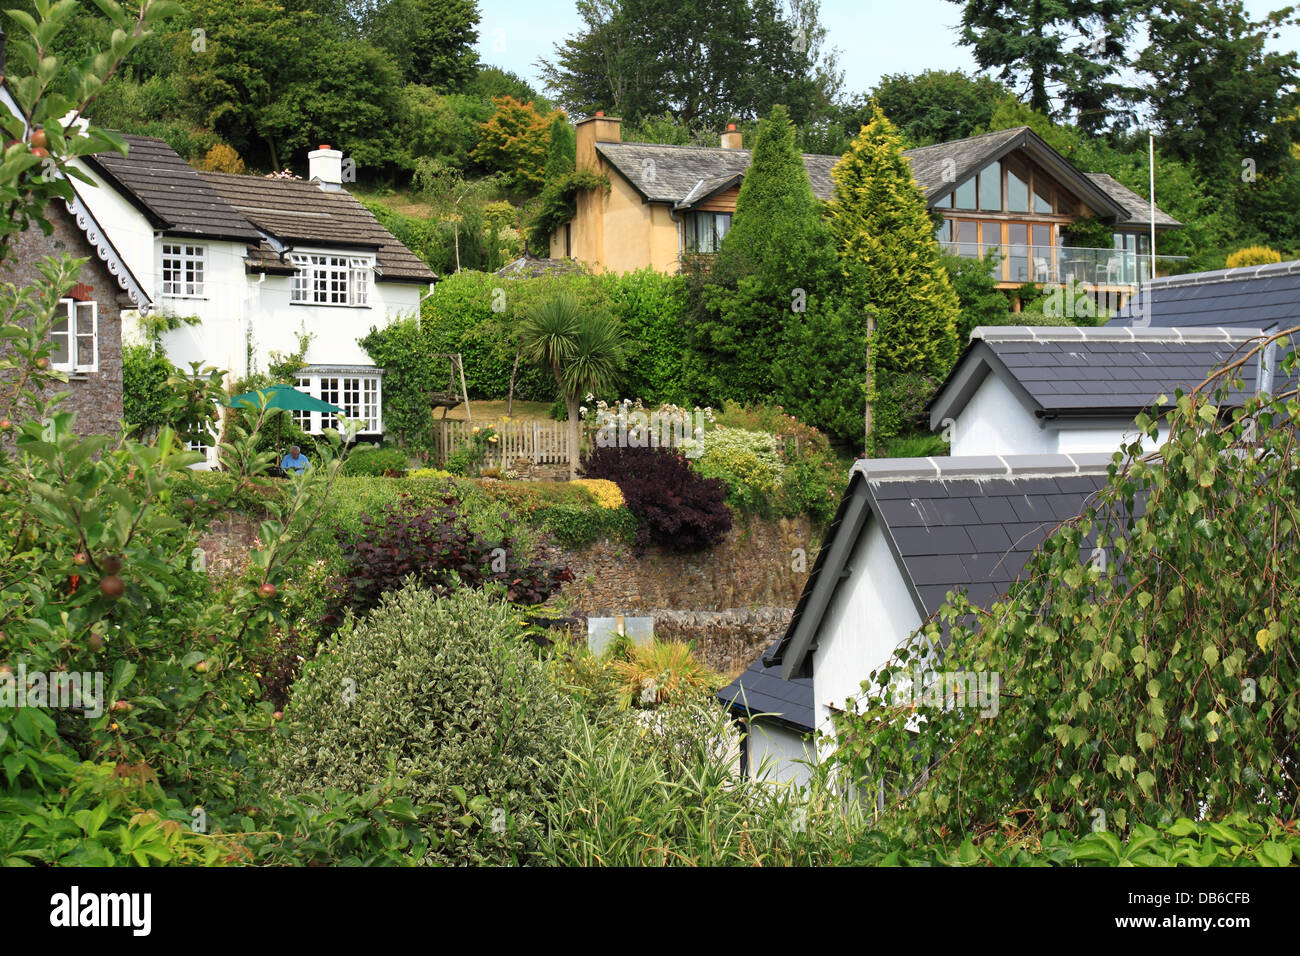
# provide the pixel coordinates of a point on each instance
(990, 180)
(706, 230)
(964, 194)
(1018, 252)
(968, 239)
(358, 396)
(1042, 195)
(1017, 192)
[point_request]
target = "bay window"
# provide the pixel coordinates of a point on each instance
(359, 393)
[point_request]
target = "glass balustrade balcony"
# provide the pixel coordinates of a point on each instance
(1060, 264)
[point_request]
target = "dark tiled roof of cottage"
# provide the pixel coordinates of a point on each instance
(1251, 297)
(300, 212)
(169, 192)
(952, 523)
(1107, 371)
(761, 690)
(1137, 210)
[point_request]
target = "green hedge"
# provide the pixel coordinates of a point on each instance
(477, 315)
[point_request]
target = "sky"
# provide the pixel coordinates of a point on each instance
(875, 37)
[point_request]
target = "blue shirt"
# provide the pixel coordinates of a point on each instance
(290, 463)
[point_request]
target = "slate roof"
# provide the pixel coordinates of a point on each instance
(761, 690)
(683, 175)
(952, 523)
(1253, 297)
(169, 193)
(1062, 371)
(530, 266)
(671, 173)
(300, 212)
(1137, 211)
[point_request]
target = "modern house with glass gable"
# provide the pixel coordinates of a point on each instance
(1006, 192)
(264, 263)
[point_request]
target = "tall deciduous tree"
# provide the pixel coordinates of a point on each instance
(777, 261)
(1218, 96)
(514, 142)
(432, 41)
(703, 63)
(933, 107)
(1075, 46)
(894, 273)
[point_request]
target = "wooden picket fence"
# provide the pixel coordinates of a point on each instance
(543, 443)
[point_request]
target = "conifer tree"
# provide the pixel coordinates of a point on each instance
(776, 262)
(894, 274)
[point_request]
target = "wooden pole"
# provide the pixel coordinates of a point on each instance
(871, 330)
(464, 392)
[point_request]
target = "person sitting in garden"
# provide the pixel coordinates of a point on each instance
(295, 461)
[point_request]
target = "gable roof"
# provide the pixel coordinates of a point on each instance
(1111, 371)
(940, 168)
(670, 174)
(169, 193)
(297, 211)
(951, 523)
(1254, 297)
(762, 690)
(685, 175)
(1137, 210)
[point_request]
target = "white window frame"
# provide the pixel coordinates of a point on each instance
(331, 279)
(359, 392)
(71, 309)
(184, 270)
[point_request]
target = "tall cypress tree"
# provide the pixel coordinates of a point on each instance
(777, 261)
(894, 274)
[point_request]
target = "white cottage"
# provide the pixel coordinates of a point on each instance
(1046, 390)
(907, 533)
(260, 261)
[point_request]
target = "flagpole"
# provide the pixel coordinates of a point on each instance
(1151, 156)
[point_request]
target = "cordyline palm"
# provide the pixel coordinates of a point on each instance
(583, 350)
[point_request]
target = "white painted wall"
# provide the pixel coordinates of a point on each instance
(235, 307)
(870, 614)
(778, 754)
(994, 422)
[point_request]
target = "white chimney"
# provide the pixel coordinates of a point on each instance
(325, 167)
(731, 139)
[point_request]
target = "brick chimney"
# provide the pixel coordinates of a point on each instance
(731, 138)
(325, 167)
(596, 129)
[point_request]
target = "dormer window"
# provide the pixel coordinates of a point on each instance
(706, 230)
(330, 280)
(183, 270)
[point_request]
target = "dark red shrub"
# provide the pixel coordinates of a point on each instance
(674, 506)
(433, 546)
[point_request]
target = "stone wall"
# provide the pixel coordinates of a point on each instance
(731, 601)
(96, 397)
